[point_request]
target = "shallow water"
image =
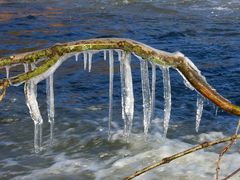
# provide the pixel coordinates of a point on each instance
(207, 32)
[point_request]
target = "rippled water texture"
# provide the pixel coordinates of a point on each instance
(205, 31)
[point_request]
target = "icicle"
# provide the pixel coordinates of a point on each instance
(216, 110)
(50, 104)
(146, 95)
(111, 73)
(186, 82)
(90, 61)
(200, 101)
(31, 101)
(7, 71)
(33, 66)
(127, 93)
(76, 57)
(105, 55)
(26, 69)
(167, 98)
(153, 90)
(119, 55)
(85, 60)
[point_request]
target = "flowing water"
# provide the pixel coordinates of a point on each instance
(86, 137)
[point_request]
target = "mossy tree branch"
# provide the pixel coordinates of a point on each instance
(174, 60)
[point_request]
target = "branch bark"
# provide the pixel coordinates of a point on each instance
(174, 60)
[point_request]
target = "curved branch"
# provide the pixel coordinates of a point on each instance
(174, 60)
(180, 154)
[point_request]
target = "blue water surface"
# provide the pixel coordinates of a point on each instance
(205, 31)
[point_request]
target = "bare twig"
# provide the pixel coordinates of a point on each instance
(232, 174)
(226, 148)
(180, 154)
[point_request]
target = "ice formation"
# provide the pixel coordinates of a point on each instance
(105, 55)
(85, 60)
(111, 74)
(200, 101)
(127, 96)
(127, 93)
(7, 71)
(167, 98)
(26, 68)
(90, 54)
(146, 95)
(50, 104)
(31, 101)
(153, 90)
(76, 57)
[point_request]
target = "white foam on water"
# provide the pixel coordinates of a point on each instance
(199, 165)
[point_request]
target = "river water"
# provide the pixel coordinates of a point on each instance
(205, 31)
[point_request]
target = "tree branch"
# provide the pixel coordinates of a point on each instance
(174, 60)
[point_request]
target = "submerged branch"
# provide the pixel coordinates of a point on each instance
(180, 154)
(174, 60)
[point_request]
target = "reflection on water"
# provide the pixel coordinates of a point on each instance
(207, 32)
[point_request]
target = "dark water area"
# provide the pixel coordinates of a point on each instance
(205, 31)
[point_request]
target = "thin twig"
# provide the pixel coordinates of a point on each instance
(232, 174)
(225, 149)
(180, 154)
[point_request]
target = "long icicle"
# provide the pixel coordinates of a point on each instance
(105, 55)
(153, 90)
(167, 98)
(111, 75)
(31, 101)
(90, 61)
(85, 56)
(200, 101)
(50, 104)
(146, 96)
(127, 93)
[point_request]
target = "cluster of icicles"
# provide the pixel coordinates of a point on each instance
(127, 94)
